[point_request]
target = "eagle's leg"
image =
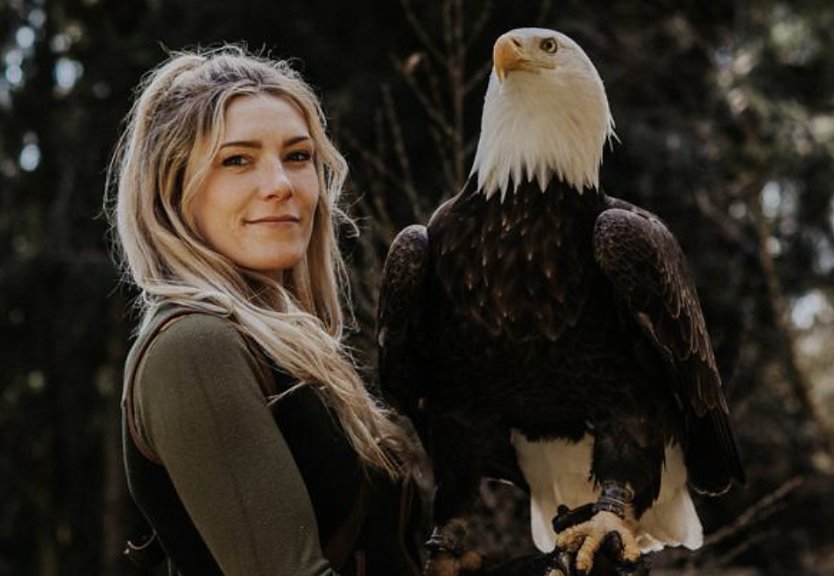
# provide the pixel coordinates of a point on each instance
(447, 555)
(612, 522)
(447, 544)
(456, 469)
(466, 447)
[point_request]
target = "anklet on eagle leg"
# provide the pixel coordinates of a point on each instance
(616, 497)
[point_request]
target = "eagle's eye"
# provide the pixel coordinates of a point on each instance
(549, 45)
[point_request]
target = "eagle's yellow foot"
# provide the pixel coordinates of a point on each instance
(585, 539)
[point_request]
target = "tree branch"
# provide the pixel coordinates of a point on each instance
(478, 76)
(376, 161)
(779, 310)
(759, 511)
(435, 115)
(401, 154)
(414, 22)
(480, 23)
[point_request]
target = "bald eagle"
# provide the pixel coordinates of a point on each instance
(540, 331)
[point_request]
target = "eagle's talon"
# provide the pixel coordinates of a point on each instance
(447, 539)
(447, 555)
(561, 561)
(604, 530)
(613, 545)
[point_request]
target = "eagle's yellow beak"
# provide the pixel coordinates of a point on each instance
(508, 55)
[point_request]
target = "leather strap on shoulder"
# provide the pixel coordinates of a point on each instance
(159, 323)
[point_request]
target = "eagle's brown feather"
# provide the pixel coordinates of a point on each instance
(647, 268)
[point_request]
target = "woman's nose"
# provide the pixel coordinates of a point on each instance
(276, 182)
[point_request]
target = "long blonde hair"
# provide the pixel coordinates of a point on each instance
(172, 133)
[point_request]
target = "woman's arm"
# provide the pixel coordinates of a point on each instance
(199, 407)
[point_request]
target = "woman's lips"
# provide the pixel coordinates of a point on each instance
(283, 219)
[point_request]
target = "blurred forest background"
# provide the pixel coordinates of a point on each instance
(725, 116)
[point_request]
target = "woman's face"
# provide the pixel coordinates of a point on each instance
(258, 201)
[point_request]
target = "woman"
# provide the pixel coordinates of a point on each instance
(225, 211)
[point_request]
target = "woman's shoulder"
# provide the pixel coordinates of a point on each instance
(193, 371)
(190, 343)
(184, 324)
(192, 358)
(188, 332)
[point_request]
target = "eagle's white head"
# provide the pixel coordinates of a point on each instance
(545, 114)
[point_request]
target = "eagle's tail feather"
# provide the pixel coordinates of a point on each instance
(557, 473)
(672, 520)
(712, 456)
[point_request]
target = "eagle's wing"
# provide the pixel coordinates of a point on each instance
(401, 302)
(646, 266)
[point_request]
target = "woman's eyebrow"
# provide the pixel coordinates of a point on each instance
(242, 144)
(296, 139)
(257, 144)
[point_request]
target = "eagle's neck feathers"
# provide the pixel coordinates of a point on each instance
(535, 127)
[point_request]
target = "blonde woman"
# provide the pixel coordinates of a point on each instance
(251, 445)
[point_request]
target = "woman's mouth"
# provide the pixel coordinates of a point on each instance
(275, 219)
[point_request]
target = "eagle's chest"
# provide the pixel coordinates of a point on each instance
(519, 269)
(519, 303)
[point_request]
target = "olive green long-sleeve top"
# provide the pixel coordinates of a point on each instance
(199, 408)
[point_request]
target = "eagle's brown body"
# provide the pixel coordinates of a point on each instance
(556, 314)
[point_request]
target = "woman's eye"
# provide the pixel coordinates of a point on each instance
(236, 160)
(549, 45)
(299, 156)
